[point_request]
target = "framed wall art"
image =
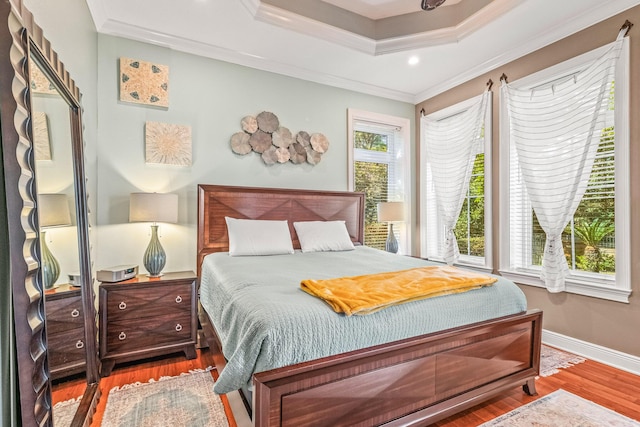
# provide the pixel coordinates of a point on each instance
(41, 136)
(167, 143)
(144, 82)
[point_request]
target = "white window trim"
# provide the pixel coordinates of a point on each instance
(404, 129)
(401, 123)
(614, 290)
(488, 211)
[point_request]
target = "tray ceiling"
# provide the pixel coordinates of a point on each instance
(398, 25)
(361, 45)
(378, 9)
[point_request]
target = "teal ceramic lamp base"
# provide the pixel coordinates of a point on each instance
(392, 242)
(50, 267)
(154, 257)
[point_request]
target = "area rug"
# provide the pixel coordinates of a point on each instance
(551, 360)
(187, 400)
(63, 412)
(561, 409)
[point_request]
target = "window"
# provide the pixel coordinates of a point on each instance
(473, 226)
(379, 167)
(595, 242)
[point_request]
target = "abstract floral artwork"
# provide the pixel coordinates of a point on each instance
(144, 82)
(41, 136)
(168, 144)
(40, 83)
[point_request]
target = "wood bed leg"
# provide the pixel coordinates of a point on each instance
(107, 367)
(530, 387)
(190, 351)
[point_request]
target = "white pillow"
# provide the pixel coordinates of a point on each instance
(258, 237)
(320, 236)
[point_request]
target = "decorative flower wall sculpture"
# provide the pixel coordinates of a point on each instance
(264, 135)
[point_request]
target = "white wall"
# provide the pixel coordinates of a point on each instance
(212, 97)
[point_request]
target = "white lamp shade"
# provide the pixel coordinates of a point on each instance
(390, 211)
(53, 210)
(153, 207)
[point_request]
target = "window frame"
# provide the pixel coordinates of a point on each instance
(619, 288)
(403, 126)
(471, 261)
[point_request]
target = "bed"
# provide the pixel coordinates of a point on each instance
(423, 369)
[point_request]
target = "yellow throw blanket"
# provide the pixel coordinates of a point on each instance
(372, 292)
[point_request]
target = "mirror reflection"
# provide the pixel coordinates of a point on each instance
(60, 259)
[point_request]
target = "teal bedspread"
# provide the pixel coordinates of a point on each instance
(266, 321)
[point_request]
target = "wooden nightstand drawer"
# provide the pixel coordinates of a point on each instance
(148, 301)
(66, 352)
(64, 314)
(148, 332)
(146, 317)
(63, 308)
(65, 331)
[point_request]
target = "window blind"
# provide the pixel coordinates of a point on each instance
(379, 173)
(452, 145)
(561, 155)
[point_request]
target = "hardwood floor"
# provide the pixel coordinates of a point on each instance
(142, 371)
(612, 388)
(615, 389)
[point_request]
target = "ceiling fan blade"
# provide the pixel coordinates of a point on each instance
(431, 4)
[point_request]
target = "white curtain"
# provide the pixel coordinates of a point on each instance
(556, 129)
(451, 149)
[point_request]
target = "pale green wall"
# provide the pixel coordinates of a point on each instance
(209, 95)
(212, 97)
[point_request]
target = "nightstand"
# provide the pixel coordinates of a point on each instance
(145, 317)
(65, 331)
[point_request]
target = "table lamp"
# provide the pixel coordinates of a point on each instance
(53, 211)
(390, 212)
(153, 207)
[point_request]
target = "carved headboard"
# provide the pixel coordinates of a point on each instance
(215, 202)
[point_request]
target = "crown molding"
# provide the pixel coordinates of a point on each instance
(484, 16)
(292, 21)
(450, 34)
(567, 28)
(133, 32)
(98, 13)
(301, 24)
(256, 7)
(251, 5)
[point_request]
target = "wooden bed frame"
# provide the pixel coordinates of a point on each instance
(416, 381)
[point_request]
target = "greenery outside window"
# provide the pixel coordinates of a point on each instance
(596, 241)
(473, 228)
(378, 166)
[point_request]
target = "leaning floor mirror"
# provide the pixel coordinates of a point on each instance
(47, 218)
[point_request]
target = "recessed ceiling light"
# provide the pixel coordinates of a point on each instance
(413, 60)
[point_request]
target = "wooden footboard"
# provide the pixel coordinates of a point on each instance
(416, 381)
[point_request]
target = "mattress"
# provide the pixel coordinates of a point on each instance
(266, 321)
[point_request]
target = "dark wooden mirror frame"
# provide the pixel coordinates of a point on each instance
(20, 40)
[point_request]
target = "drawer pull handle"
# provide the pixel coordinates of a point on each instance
(178, 299)
(122, 336)
(75, 312)
(79, 344)
(178, 327)
(122, 305)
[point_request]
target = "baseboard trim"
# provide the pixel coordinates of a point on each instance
(617, 359)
